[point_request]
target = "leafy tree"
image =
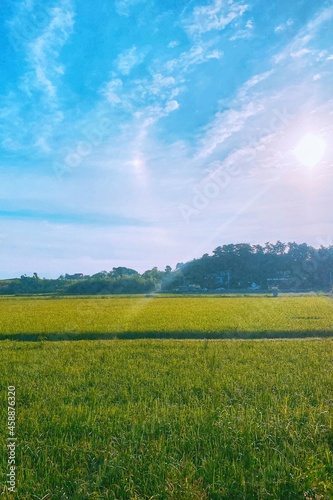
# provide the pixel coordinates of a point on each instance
(123, 271)
(300, 265)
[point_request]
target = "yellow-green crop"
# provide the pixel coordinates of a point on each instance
(168, 419)
(137, 317)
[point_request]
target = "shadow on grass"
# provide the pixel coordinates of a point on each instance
(190, 335)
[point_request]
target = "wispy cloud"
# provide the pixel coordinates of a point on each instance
(299, 46)
(123, 7)
(284, 26)
(142, 96)
(246, 32)
(128, 59)
(300, 53)
(42, 52)
(112, 91)
(173, 44)
(197, 54)
(252, 82)
(215, 16)
(171, 106)
(42, 73)
(226, 123)
(154, 97)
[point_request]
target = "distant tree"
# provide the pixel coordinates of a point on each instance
(153, 274)
(299, 266)
(123, 271)
(101, 274)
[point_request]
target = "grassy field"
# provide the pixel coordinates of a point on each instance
(178, 317)
(168, 419)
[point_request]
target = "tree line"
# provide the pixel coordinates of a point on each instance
(288, 266)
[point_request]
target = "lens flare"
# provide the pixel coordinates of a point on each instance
(310, 150)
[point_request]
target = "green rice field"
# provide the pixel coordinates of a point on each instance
(189, 408)
(165, 317)
(168, 419)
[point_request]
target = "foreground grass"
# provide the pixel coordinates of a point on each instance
(171, 420)
(137, 317)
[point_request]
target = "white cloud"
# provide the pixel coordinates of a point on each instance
(128, 60)
(215, 54)
(228, 123)
(325, 14)
(160, 82)
(316, 77)
(256, 79)
(252, 82)
(147, 98)
(215, 16)
(171, 106)
(300, 53)
(42, 144)
(224, 125)
(43, 51)
(173, 44)
(247, 32)
(112, 91)
(284, 26)
(123, 7)
(298, 46)
(197, 54)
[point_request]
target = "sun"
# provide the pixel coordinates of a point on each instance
(310, 149)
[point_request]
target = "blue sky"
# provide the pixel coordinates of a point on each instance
(143, 133)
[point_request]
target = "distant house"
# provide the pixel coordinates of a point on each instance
(282, 283)
(254, 286)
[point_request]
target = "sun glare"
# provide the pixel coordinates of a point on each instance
(310, 150)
